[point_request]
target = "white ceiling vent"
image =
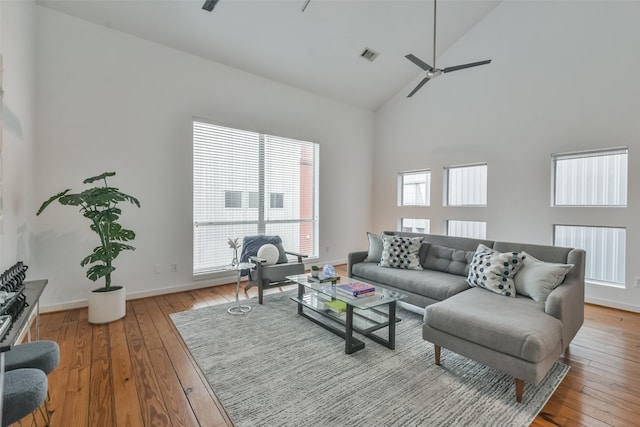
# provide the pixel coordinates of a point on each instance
(369, 54)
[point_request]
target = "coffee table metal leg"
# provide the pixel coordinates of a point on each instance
(300, 295)
(348, 338)
(390, 342)
(392, 325)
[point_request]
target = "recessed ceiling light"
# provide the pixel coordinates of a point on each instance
(369, 54)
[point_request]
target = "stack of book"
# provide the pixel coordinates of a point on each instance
(323, 279)
(336, 306)
(356, 289)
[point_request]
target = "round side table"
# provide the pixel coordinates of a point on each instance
(239, 309)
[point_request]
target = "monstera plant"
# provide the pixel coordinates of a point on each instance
(99, 204)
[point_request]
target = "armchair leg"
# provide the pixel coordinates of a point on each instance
(437, 349)
(519, 390)
(260, 292)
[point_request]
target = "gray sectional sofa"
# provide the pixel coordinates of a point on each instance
(520, 335)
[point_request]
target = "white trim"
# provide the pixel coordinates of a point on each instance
(199, 284)
(612, 304)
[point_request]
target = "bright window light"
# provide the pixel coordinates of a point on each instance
(466, 185)
(414, 188)
(605, 248)
(247, 183)
(594, 178)
(471, 229)
(412, 225)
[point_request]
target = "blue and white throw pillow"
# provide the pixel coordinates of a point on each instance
(400, 252)
(494, 271)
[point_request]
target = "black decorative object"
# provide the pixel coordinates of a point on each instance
(12, 298)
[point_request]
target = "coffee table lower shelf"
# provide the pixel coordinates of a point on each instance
(364, 324)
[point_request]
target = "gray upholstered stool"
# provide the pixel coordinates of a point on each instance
(43, 355)
(24, 391)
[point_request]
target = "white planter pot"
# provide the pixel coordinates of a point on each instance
(105, 307)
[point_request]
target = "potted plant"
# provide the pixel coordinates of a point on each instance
(315, 271)
(99, 204)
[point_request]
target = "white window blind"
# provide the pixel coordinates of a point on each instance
(271, 182)
(414, 188)
(472, 229)
(414, 225)
(466, 185)
(594, 178)
(605, 248)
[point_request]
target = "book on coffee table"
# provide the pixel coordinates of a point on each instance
(336, 306)
(356, 289)
(324, 279)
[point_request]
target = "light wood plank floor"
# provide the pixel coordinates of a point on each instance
(137, 371)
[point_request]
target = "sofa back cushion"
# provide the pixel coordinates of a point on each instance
(447, 253)
(543, 253)
(448, 260)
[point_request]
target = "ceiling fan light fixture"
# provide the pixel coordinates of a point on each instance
(369, 54)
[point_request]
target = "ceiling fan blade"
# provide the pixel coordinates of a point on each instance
(419, 62)
(426, 79)
(462, 67)
(209, 5)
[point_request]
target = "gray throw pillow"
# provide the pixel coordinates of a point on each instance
(494, 271)
(375, 248)
(537, 279)
(401, 252)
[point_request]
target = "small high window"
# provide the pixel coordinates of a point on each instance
(591, 178)
(466, 185)
(605, 247)
(413, 225)
(471, 229)
(414, 188)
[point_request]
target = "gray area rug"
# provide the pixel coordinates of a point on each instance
(272, 367)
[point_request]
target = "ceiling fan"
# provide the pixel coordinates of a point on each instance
(433, 72)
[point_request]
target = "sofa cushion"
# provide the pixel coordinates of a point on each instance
(435, 285)
(518, 327)
(448, 260)
(537, 279)
(494, 271)
(541, 252)
(375, 248)
(401, 252)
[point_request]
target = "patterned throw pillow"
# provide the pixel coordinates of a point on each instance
(494, 271)
(400, 252)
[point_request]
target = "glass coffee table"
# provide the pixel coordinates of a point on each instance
(362, 314)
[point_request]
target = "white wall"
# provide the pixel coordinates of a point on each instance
(17, 23)
(563, 78)
(110, 101)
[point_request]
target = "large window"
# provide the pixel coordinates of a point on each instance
(592, 178)
(414, 188)
(472, 229)
(605, 247)
(414, 225)
(246, 183)
(466, 185)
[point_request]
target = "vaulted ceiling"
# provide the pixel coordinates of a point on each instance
(317, 50)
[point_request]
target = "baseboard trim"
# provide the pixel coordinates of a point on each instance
(221, 279)
(612, 304)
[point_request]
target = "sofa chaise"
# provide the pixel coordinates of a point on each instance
(521, 331)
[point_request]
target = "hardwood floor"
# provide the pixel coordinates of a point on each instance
(137, 371)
